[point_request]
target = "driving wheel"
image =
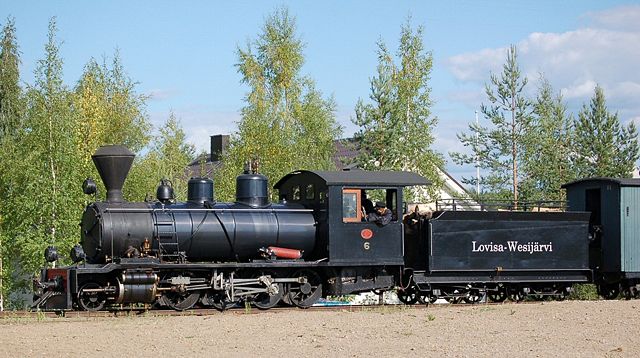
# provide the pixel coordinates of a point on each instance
(304, 294)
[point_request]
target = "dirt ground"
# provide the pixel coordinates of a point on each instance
(570, 329)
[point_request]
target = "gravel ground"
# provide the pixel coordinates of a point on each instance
(549, 329)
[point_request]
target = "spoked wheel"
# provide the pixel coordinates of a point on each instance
(408, 296)
(609, 292)
(90, 298)
(515, 295)
(275, 292)
(216, 300)
(472, 297)
(499, 295)
(180, 301)
(305, 294)
(627, 293)
(427, 298)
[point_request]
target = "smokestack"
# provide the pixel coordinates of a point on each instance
(113, 163)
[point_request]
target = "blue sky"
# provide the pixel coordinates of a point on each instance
(183, 53)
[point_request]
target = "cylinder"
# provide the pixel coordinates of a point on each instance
(200, 190)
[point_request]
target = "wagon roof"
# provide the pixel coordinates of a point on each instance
(361, 177)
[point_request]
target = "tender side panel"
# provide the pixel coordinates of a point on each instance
(508, 241)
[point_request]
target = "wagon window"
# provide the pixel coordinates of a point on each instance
(309, 193)
(351, 205)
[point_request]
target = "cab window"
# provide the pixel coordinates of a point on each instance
(309, 192)
(351, 204)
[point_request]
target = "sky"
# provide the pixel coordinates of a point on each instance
(182, 53)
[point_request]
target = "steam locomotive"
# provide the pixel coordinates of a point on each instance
(316, 242)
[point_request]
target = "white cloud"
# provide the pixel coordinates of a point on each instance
(606, 53)
(621, 18)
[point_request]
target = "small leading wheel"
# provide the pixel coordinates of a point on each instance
(91, 297)
(408, 296)
(305, 294)
(180, 301)
(275, 292)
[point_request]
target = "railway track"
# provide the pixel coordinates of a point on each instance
(142, 312)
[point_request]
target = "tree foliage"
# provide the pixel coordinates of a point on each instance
(11, 101)
(500, 149)
(11, 115)
(47, 144)
(286, 123)
(168, 157)
(43, 183)
(549, 147)
(396, 128)
(603, 147)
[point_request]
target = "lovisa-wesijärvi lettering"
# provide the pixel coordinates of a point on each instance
(512, 246)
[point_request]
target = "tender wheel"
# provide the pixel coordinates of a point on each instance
(609, 292)
(304, 295)
(427, 298)
(90, 298)
(275, 292)
(408, 296)
(516, 295)
(180, 301)
(500, 295)
(472, 297)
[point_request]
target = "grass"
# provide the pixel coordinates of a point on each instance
(584, 292)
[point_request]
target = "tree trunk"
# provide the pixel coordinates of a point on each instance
(514, 151)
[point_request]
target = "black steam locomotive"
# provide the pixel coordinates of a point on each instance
(316, 242)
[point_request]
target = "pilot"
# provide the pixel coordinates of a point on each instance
(381, 215)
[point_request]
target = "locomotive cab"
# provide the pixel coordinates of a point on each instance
(363, 255)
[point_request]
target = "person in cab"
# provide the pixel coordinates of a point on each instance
(380, 215)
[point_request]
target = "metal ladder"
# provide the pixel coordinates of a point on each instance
(168, 246)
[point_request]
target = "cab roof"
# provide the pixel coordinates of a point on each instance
(361, 178)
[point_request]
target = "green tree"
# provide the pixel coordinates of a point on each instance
(108, 110)
(11, 113)
(499, 149)
(549, 147)
(286, 122)
(168, 158)
(11, 102)
(42, 195)
(396, 129)
(603, 147)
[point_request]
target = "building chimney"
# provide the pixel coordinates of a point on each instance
(219, 145)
